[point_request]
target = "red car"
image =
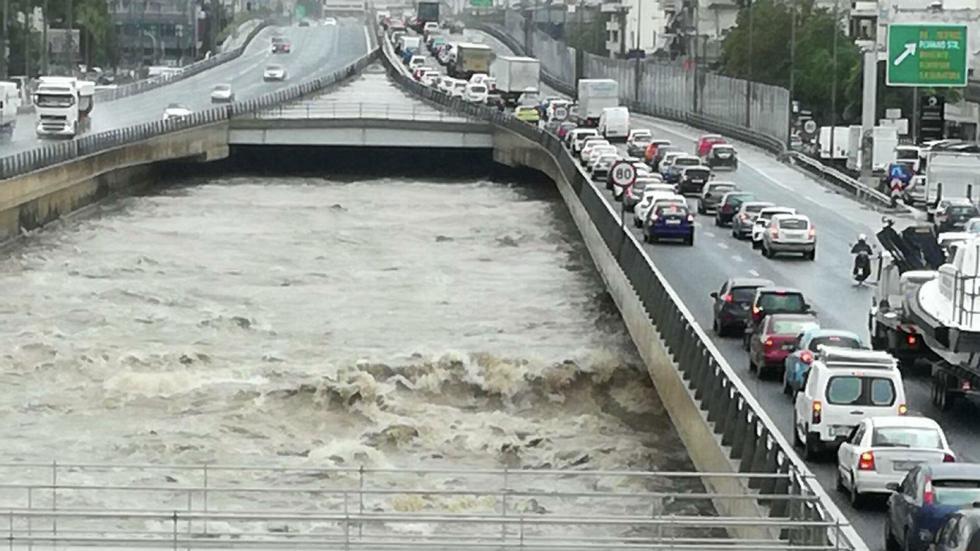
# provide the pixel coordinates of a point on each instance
(776, 339)
(705, 142)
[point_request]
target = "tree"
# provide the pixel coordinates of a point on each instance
(769, 62)
(92, 19)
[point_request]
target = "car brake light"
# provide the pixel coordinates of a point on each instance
(769, 343)
(812, 233)
(902, 409)
(949, 458)
(729, 298)
(911, 340)
(744, 216)
(866, 462)
(774, 233)
(928, 496)
(690, 218)
(965, 385)
(653, 218)
(817, 412)
(756, 310)
(806, 357)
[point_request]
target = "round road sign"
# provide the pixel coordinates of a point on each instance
(623, 174)
(560, 113)
(810, 126)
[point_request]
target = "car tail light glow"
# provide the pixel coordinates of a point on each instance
(965, 385)
(902, 409)
(806, 357)
(769, 343)
(774, 233)
(729, 298)
(928, 496)
(911, 340)
(866, 462)
(812, 233)
(817, 413)
(949, 458)
(756, 310)
(690, 218)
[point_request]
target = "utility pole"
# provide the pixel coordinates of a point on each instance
(792, 64)
(5, 43)
(833, 87)
(44, 38)
(27, 44)
(748, 81)
(697, 60)
(69, 46)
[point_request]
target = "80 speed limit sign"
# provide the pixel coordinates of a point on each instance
(623, 174)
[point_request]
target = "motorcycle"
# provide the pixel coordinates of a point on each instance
(862, 267)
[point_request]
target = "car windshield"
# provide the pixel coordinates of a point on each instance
(478, 89)
(906, 437)
(642, 138)
(686, 161)
(754, 208)
(696, 172)
(725, 149)
(955, 492)
(720, 188)
(737, 199)
(222, 88)
(790, 327)
(51, 100)
(782, 302)
(906, 154)
(743, 295)
(274, 68)
(834, 340)
(793, 224)
(672, 209)
(856, 390)
(175, 106)
(963, 210)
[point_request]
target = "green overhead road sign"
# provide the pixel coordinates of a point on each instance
(930, 55)
(481, 3)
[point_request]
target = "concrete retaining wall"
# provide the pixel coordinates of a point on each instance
(703, 446)
(36, 198)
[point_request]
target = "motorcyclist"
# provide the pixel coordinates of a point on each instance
(862, 251)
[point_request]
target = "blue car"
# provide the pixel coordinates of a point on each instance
(798, 363)
(670, 221)
(928, 496)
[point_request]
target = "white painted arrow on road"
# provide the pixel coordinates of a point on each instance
(909, 50)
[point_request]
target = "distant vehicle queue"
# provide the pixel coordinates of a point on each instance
(847, 399)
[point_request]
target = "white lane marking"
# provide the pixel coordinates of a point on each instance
(722, 245)
(367, 40)
(709, 234)
(737, 258)
(810, 199)
(754, 273)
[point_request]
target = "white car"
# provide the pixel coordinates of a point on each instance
(176, 111)
(844, 387)
(222, 93)
(595, 152)
(651, 195)
(458, 89)
(668, 160)
(416, 62)
(476, 93)
(274, 72)
(579, 135)
(430, 26)
(446, 84)
(430, 78)
(478, 78)
(762, 221)
(329, 21)
(882, 450)
(590, 144)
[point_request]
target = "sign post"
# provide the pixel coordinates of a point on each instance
(927, 55)
(623, 175)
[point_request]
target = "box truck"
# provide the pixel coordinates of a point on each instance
(515, 76)
(594, 95)
(470, 59)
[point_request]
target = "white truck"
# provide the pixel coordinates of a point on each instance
(883, 140)
(946, 174)
(62, 105)
(595, 95)
(841, 145)
(514, 76)
(470, 59)
(9, 102)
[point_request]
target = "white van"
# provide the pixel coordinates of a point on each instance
(843, 387)
(614, 123)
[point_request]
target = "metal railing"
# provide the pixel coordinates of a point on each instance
(225, 506)
(314, 109)
(736, 415)
(187, 71)
(58, 152)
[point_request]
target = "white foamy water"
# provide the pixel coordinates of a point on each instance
(301, 321)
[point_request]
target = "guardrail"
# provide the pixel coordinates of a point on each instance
(737, 416)
(361, 110)
(188, 71)
(839, 179)
(231, 506)
(59, 152)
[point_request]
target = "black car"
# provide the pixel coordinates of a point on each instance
(722, 155)
(693, 179)
(662, 152)
(733, 302)
(729, 206)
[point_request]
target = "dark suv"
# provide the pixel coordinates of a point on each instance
(773, 300)
(733, 302)
(729, 205)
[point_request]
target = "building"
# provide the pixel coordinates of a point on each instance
(156, 32)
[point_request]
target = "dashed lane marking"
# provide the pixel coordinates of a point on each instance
(754, 273)
(722, 245)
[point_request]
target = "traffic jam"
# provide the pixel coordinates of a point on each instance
(846, 391)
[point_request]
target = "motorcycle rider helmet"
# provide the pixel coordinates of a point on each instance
(862, 238)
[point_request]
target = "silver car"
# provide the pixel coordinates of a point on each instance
(790, 233)
(745, 217)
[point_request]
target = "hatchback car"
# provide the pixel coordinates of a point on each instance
(953, 214)
(790, 233)
(672, 175)
(798, 363)
(653, 198)
(705, 143)
(274, 72)
(669, 221)
(527, 114)
(731, 305)
(637, 142)
(773, 300)
(882, 450)
(176, 111)
(776, 339)
(747, 213)
(578, 137)
(662, 151)
(729, 205)
(722, 155)
(928, 495)
(711, 195)
(693, 179)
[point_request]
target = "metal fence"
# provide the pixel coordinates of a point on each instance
(413, 111)
(754, 112)
(729, 405)
(188, 71)
(58, 152)
(141, 506)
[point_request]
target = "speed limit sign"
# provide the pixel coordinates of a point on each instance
(560, 113)
(623, 174)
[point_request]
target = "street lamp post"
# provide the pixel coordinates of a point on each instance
(833, 87)
(69, 46)
(792, 65)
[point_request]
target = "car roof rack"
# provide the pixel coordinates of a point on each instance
(837, 356)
